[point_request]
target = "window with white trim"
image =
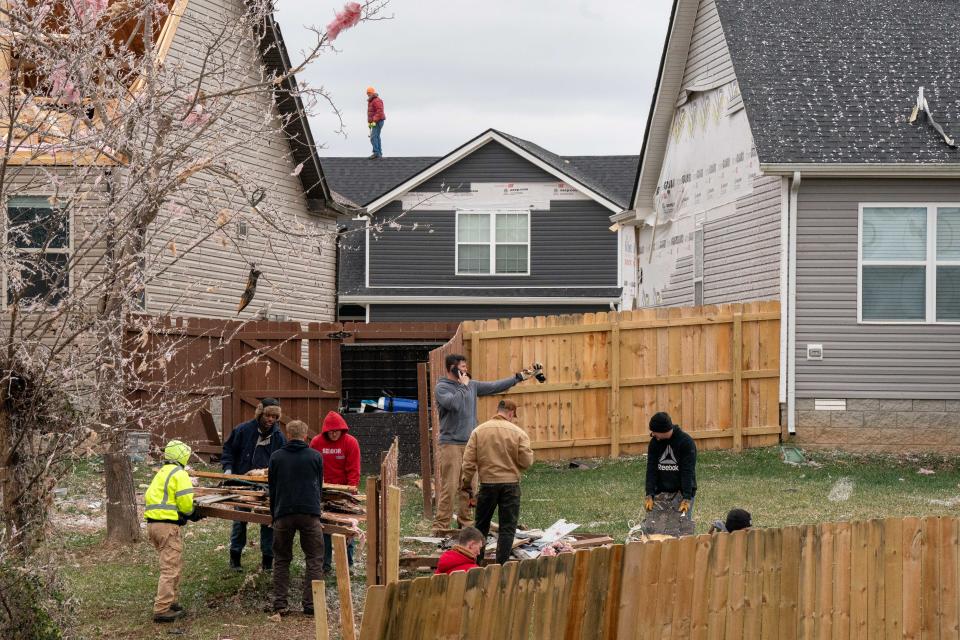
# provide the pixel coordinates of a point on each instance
(493, 243)
(909, 259)
(39, 234)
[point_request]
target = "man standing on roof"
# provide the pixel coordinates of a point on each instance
(341, 465)
(375, 119)
(249, 447)
(456, 396)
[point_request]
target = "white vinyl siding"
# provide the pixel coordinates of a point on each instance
(493, 243)
(909, 263)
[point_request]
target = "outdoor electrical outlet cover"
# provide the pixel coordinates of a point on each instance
(792, 455)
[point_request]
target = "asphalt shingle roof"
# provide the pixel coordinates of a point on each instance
(362, 181)
(834, 82)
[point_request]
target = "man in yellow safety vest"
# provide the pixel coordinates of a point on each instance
(168, 506)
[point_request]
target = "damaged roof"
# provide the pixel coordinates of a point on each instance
(835, 82)
(361, 180)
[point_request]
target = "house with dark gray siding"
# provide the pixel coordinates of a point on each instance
(792, 152)
(497, 228)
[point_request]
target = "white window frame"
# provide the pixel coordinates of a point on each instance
(68, 250)
(492, 241)
(930, 264)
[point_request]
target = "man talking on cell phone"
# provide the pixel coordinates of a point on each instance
(456, 396)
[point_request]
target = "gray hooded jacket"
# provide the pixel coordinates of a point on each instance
(457, 406)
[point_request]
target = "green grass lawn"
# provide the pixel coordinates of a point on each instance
(113, 588)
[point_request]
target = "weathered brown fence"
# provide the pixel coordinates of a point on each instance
(244, 362)
(714, 369)
(895, 578)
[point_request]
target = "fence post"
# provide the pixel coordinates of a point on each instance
(426, 475)
(614, 384)
(475, 354)
(738, 381)
(347, 630)
(392, 552)
(320, 609)
(373, 533)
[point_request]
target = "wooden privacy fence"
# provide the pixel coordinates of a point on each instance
(895, 578)
(243, 362)
(715, 369)
(383, 520)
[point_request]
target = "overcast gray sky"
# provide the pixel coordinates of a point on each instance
(571, 75)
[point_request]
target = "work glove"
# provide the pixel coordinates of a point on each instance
(684, 506)
(371, 124)
(648, 503)
(524, 374)
(195, 516)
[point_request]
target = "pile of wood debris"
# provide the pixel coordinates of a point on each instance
(245, 498)
(527, 544)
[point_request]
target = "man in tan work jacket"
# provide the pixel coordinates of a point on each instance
(498, 451)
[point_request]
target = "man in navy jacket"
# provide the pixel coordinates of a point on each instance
(249, 447)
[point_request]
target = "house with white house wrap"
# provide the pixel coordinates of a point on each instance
(804, 151)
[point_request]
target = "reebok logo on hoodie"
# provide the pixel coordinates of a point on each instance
(668, 461)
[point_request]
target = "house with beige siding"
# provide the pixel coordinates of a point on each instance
(280, 167)
(804, 152)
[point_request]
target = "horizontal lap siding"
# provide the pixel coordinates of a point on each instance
(461, 312)
(299, 273)
(708, 62)
(862, 361)
(492, 162)
(741, 253)
(571, 246)
(680, 290)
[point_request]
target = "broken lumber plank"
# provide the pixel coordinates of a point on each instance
(586, 543)
(210, 475)
(320, 609)
(204, 500)
(225, 513)
(347, 629)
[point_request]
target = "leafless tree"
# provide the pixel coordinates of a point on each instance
(122, 163)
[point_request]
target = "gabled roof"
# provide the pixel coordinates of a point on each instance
(828, 86)
(835, 82)
(363, 181)
(549, 162)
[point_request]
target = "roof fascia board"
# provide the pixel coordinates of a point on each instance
(474, 300)
(864, 170)
(676, 48)
(465, 150)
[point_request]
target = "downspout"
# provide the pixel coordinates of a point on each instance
(792, 310)
(784, 283)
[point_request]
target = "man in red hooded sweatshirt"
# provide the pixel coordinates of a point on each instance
(375, 119)
(341, 465)
(464, 555)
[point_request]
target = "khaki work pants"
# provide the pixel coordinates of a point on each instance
(450, 459)
(167, 541)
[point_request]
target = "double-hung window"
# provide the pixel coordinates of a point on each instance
(493, 243)
(909, 263)
(38, 233)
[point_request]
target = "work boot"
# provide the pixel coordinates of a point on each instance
(267, 563)
(235, 561)
(166, 616)
(308, 611)
(176, 607)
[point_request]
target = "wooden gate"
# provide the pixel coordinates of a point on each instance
(245, 362)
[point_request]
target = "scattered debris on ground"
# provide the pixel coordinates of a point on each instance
(842, 490)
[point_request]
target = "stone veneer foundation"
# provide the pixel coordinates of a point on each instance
(882, 426)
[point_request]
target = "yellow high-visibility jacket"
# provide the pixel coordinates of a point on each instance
(170, 496)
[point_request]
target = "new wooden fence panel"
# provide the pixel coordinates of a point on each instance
(949, 591)
(930, 550)
(607, 373)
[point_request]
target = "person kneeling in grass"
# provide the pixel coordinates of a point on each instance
(464, 555)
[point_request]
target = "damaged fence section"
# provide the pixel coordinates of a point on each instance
(882, 578)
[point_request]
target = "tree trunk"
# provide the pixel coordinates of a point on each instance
(14, 518)
(123, 525)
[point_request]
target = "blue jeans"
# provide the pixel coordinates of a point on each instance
(238, 538)
(328, 552)
(375, 138)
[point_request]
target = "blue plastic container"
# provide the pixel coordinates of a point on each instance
(397, 404)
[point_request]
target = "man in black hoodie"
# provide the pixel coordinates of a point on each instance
(671, 463)
(296, 488)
